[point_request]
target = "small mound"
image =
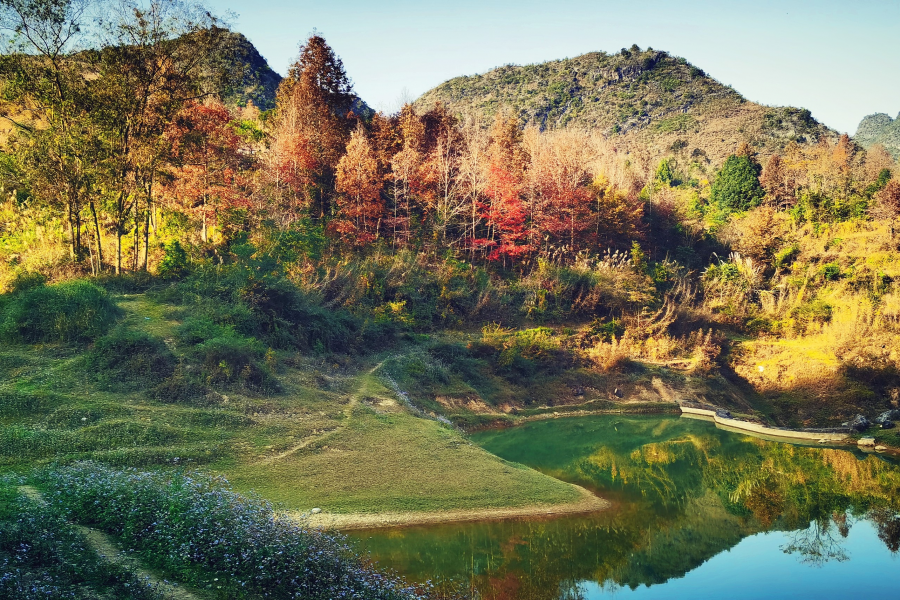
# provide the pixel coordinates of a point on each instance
(73, 311)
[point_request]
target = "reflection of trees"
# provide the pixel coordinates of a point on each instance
(888, 523)
(818, 544)
(685, 493)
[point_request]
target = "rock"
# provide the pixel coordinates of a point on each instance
(887, 416)
(866, 441)
(858, 423)
(723, 414)
(618, 393)
(887, 424)
(880, 448)
(823, 441)
(578, 391)
(316, 511)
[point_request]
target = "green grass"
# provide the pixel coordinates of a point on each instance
(398, 462)
(333, 435)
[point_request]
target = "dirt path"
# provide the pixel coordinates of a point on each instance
(108, 549)
(348, 412)
(588, 503)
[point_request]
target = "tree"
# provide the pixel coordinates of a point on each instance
(559, 198)
(360, 206)
(207, 164)
(315, 106)
(737, 186)
(506, 215)
(779, 182)
(888, 201)
(405, 170)
(56, 146)
(441, 173)
(472, 176)
(664, 172)
(153, 63)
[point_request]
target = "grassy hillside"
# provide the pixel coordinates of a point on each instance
(644, 98)
(148, 382)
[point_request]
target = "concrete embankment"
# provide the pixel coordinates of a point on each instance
(738, 425)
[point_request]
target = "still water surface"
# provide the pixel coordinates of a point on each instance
(698, 513)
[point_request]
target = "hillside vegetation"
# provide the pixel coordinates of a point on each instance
(647, 100)
(317, 302)
(880, 129)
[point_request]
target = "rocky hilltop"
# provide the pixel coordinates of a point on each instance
(879, 129)
(645, 97)
(250, 77)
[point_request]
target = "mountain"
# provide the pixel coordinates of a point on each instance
(879, 129)
(647, 97)
(250, 77)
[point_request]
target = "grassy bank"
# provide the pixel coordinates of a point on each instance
(332, 435)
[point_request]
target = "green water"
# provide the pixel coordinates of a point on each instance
(697, 513)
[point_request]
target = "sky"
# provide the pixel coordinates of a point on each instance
(839, 59)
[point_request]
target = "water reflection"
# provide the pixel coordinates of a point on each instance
(684, 492)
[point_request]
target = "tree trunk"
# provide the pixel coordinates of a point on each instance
(147, 237)
(118, 250)
(97, 236)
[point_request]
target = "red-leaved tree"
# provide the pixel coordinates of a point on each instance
(207, 164)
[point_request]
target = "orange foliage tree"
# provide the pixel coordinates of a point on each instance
(360, 206)
(314, 119)
(207, 164)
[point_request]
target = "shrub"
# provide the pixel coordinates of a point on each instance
(127, 359)
(195, 330)
(786, 256)
(252, 298)
(74, 311)
(231, 360)
(830, 271)
(810, 312)
(174, 261)
(190, 524)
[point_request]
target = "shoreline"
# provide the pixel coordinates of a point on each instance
(588, 503)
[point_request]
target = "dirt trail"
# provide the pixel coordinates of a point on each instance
(588, 503)
(104, 545)
(348, 412)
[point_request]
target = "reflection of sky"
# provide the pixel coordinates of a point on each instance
(759, 568)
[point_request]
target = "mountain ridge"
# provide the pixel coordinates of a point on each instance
(638, 96)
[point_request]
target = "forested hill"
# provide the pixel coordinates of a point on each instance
(879, 129)
(251, 77)
(648, 98)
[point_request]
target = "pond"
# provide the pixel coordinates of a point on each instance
(697, 513)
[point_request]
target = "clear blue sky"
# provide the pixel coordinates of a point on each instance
(840, 59)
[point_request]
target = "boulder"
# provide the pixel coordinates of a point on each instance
(858, 423)
(887, 416)
(887, 424)
(723, 414)
(866, 441)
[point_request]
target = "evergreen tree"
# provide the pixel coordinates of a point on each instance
(737, 187)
